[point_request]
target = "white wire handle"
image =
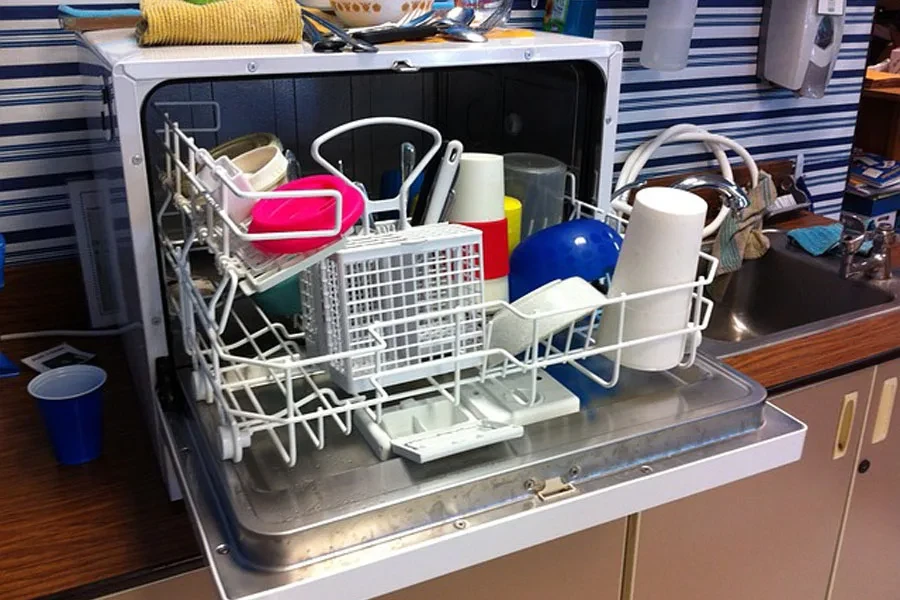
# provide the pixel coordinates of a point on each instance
(399, 202)
(686, 132)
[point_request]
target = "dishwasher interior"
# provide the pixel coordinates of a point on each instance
(295, 481)
(553, 108)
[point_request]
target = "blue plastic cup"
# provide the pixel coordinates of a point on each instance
(71, 402)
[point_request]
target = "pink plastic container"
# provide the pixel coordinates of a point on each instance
(305, 214)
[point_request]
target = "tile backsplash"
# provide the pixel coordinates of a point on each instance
(43, 98)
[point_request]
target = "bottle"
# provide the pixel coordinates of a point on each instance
(667, 36)
(572, 17)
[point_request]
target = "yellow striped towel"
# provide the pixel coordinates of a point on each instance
(177, 22)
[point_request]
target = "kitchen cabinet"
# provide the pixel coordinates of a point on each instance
(770, 536)
(583, 566)
(867, 565)
(878, 124)
(193, 585)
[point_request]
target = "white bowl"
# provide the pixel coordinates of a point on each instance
(367, 13)
(265, 167)
(574, 296)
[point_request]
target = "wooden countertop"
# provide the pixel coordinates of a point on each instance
(69, 526)
(799, 359)
(884, 93)
(73, 526)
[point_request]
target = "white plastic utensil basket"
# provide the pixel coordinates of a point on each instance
(396, 273)
(380, 278)
(392, 304)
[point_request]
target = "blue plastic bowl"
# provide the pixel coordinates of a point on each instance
(583, 248)
(70, 400)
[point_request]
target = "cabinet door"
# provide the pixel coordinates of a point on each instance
(194, 585)
(771, 536)
(583, 566)
(868, 564)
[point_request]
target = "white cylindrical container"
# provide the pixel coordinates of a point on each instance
(667, 35)
(661, 248)
(479, 203)
(478, 192)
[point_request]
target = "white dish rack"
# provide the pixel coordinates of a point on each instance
(410, 311)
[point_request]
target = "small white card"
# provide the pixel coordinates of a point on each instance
(832, 7)
(872, 173)
(58, 356)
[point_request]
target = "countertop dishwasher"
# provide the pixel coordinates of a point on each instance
(287, 497)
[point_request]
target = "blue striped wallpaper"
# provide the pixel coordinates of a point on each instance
(43, 99)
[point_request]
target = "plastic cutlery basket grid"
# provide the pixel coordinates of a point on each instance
(420, 273)
(385, 305)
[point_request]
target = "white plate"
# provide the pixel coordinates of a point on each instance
(575, 296)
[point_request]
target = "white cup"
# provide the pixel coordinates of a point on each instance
(661, 248)
(478, 192)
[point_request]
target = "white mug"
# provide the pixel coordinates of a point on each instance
(661, 248)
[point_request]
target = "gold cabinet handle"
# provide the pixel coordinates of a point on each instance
(845, 425)
(885, 410)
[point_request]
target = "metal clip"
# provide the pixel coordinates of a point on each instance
(403, 66)
(554, 489)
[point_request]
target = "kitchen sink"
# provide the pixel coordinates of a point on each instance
(787, 294)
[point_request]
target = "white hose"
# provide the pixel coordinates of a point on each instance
(69, 333)
(685, 132)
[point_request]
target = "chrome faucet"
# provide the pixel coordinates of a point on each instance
(878, 264)
(735, 198)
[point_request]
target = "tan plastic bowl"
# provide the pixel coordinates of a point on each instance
(265, 168)
(366, 13)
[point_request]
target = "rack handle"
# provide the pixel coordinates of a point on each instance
(399, 202)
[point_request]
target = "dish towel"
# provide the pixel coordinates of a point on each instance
(177, 22)
(739, 238)
(821, 239)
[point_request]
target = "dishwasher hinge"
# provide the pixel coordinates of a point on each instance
(551, 489)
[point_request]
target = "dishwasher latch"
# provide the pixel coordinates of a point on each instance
(551, 489)
(404, 66)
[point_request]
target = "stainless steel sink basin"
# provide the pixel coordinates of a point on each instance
(787, 294)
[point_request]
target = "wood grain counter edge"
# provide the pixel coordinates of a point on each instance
(819, 355)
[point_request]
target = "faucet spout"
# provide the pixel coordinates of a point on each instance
(735, 198)
(878, 264)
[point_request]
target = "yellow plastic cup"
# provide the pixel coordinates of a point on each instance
(513, 209)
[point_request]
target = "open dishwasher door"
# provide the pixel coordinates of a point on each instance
(287, 517)
(343, 524)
